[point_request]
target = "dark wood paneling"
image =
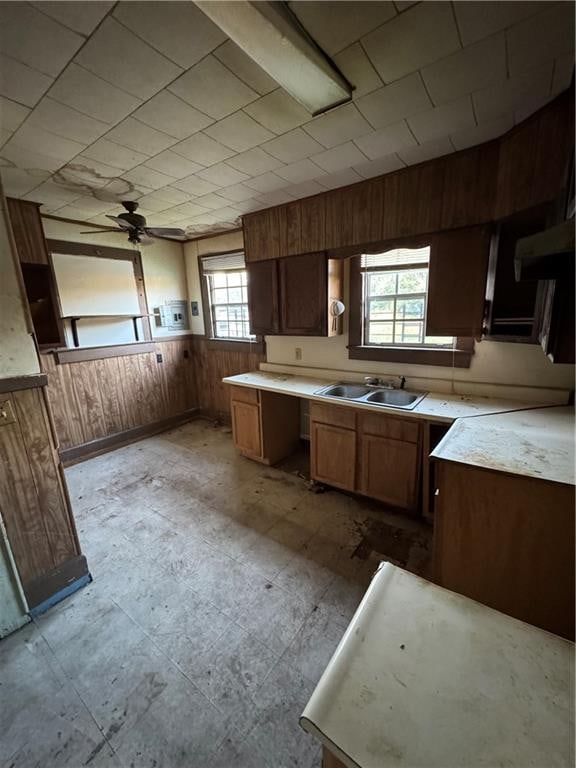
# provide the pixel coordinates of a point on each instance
(313, 224)
(262, 235)
(289, 218)
(263, 296)
(470, 187)
(340, 208)
(14, 383)
(28, 232)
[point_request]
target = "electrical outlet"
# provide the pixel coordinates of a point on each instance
(159, 358)
(6, 413)
(186, 354)
(297, 353)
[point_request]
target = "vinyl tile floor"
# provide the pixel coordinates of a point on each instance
(221, 589)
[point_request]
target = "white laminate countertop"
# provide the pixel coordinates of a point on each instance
(435, 406)
(537, 443)
(426, 677)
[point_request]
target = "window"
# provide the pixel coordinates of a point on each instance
(394, 296)
(225, 298)
(388, 309)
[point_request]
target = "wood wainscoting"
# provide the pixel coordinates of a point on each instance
(100, 404)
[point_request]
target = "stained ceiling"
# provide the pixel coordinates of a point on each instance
(102, 101)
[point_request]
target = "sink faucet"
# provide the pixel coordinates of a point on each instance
(374, 381)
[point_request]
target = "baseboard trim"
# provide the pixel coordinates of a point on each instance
(46, 590)
(78, 453)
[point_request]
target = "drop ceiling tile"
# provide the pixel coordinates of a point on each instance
(237, 193)
(153, 203)
(338, 158)
(53, 194)
(228, 213)
(172, 164)
(468, 70)
(246, 206)
(148, 177)
(92, 207)
(187, 209)
(403, 5)
(563, 70)
(203, 150)
(91, 95)
(293, 146)
(170, 114)
(4, 136)
(11, 114)
(172, 195)
(119, 57)
(195, 186)
(424, 34)
(268, 182)
(222, 175)
(254, 162)
(279, 197)
(213, 89)
(427, 151)
(278, 112)
(35, 39)
(20, 83)
(27, 160)
(379, 166)
(212, 202)
(180, 31)
(478, 19)
(17, 182)
(478, 134)
(442, 121)
(86, 170)
(386, 140)
(133, 134)
(395, 102)
(335, 26)
(521, 92)
(31, 138)
(358, 70)
(239, 132)
(233, 57)
(339, 125)
(303, 170)
(545, 36)
(82, 17)
(340, 179)
(305, 189)
(64, 121)
(113, 154)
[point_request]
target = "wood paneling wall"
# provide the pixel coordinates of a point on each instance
(33, 500)
(95, 399)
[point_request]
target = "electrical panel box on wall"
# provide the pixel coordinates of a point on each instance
(172, 315)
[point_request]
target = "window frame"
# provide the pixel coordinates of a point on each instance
(460, 357)
(215, 343)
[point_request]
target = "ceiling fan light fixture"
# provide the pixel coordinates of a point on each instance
(274, 39)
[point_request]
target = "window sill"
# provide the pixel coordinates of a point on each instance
(460, 358)
(83, 354)
(229, 345)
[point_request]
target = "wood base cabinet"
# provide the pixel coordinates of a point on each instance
(265, 425)
(372, 454)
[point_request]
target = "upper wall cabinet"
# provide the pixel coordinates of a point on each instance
(492, 181)
(292, 296)
(28, 233)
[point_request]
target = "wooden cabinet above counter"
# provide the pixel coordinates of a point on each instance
(524, 168)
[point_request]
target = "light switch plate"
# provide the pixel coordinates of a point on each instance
(6, 413)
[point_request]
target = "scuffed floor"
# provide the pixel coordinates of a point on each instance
(221, 589)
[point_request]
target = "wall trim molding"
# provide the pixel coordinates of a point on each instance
(15, 383)
(78, 453)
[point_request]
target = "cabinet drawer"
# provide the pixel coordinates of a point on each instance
(331, 414)
(389, 426)
(245, 395)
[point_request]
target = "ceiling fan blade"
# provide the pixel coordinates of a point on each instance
(121, 223)
(102, 231)
(165, 232)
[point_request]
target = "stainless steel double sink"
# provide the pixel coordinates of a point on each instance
(395, 398)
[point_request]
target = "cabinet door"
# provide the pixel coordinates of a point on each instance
(246, 428)
(28, 232)
(333, 455)
(303, 295)
(263, 296)
(389, 470)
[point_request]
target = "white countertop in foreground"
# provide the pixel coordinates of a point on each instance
(435, 406)
(426, 677)
(537, 443)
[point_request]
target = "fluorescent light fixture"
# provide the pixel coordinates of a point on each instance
(274, 39)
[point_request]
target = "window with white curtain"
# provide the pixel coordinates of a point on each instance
(227, 290)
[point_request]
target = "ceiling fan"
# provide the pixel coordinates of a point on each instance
(135, 225)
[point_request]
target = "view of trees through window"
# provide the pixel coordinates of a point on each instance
(229, 304)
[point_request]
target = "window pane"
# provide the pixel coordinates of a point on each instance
(381, 309)
(380, 333)
(220, 296)
(222, 330)
(410, 308)
(412, 281)
(234, 278)
(409, 333)
(382, 283)
(221, 313)
(219, 279)
(235, 295)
